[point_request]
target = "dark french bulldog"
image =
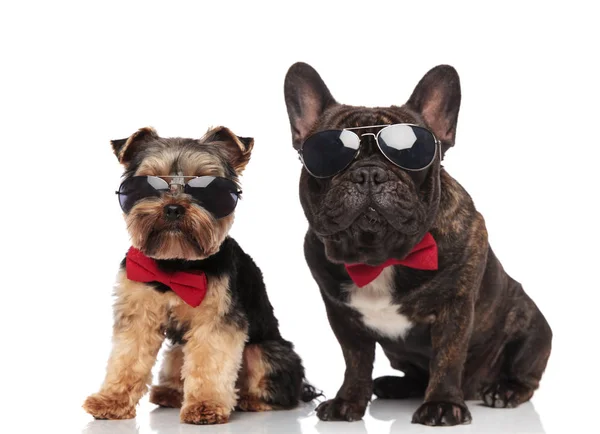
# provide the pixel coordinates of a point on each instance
(462, 330)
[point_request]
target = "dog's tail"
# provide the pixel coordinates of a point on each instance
(309, 392)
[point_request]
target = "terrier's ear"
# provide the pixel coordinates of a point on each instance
(237, 149)
(125, 149)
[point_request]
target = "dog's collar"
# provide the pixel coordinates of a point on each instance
(190, 286)
(424, 256)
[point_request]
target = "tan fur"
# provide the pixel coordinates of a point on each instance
(254, 372)
(169, 391)
(212, 354)
(189, 163)
(135, 140)
(211, 357)
(166, 396)
(146, 218)
(139, 314)
(250, 403)
(158, 164)
(200, 164)
(252, 381)
(237, 153)
(205, 413)
(170, 373)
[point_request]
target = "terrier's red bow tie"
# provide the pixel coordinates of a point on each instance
(191, 287)
(424, 256)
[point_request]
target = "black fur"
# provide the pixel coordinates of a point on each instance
(249, 300)
(249, 305)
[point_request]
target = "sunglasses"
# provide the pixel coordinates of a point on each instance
(329, 152)
(217, 195)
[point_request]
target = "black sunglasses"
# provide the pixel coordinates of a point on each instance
(329, 152)
(217, 195)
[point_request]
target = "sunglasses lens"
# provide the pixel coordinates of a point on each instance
(329, 152)
(216, 195)
(408, 146)
(139, 187)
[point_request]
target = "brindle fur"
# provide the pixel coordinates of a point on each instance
(476, 333)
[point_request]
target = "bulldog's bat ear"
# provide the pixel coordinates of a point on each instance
(237, 149)
(437, 99)
(306, 98)
(125, 149)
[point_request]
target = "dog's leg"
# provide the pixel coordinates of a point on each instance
(358, 349)
(137, 337)
(212, 360)
(272, 377)
(169, 391)
(525, 359)
(412, 385)
(450, 333)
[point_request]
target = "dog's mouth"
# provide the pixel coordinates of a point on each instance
(172, 242)
(370, 239)
(192, 235)
(370, 221)
(371, 218)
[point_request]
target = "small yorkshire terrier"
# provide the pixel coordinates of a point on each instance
(184, 279)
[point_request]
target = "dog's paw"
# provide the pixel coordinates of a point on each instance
(506, 395)
(103, 406)
(340, 409)
(250, 403)
(442, 414)
(166, 396)
(204, 413)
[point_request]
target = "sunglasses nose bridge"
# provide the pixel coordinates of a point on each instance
(175, 188)
(368, 143)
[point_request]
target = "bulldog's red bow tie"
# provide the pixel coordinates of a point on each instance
(191, 287)
(424, 256)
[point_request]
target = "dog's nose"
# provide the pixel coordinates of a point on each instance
(174, 212)
(369, 174)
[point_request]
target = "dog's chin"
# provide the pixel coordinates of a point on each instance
(196, 236)
(367, 241)
(175, 244)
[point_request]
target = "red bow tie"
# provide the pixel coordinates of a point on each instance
(191, 287)
(424, 256)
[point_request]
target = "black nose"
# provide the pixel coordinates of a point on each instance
(174, 212)
(369, 174)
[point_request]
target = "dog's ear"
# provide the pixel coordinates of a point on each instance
(306, 98)
(437, 99)
(237, 149)
(124, 149)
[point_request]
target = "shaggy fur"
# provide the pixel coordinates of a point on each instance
(228, 351)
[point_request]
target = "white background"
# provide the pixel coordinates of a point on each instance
(75, 75)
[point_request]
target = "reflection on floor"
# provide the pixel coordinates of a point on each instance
(382, 417)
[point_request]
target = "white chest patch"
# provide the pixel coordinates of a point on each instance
(374, 302)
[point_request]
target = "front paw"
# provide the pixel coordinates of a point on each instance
(442, 414)
(204, 413)
(340, 409)
(103, 406)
